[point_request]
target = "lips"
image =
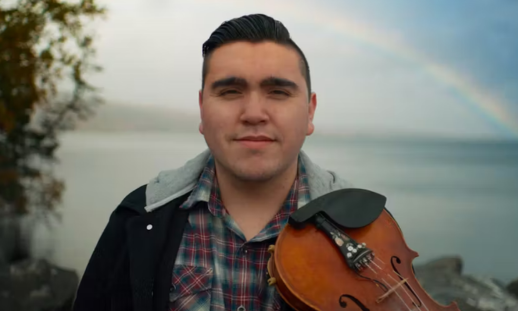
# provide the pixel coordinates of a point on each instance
(255, 141)
(259, 138)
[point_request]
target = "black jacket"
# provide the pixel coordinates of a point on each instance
(131, 265)
(130, 268)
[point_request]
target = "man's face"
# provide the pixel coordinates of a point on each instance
(255, 110)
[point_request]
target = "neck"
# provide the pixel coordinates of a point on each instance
(257, 199)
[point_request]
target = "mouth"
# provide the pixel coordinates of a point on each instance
(255, 138)
(255, 142)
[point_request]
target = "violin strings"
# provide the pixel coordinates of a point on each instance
(371, 279)
(406, 292)
(377, 258)
(369, 266)
(424, 305)
(376, 273)
(395, 291)
(422, 302)
(376, 265)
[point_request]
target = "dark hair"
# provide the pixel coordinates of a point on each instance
(252, 28)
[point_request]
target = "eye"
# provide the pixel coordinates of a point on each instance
(229, 92)
(279, 93)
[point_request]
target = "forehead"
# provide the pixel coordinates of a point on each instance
(254, 61)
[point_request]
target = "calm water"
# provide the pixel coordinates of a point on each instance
(449, 198)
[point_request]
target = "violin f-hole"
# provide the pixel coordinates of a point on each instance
(398, 261)
(342, 300)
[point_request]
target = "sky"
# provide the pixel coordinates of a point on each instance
(442, 67)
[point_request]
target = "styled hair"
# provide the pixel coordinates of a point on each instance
(252, 28)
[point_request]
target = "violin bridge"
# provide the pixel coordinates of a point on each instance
(271, 249)
(392, 290)
(272, 281)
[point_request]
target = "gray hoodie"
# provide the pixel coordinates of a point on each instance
(171, 184)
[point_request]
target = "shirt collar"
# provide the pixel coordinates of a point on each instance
(207, 190)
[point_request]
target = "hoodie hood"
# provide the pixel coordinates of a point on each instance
(171, 184)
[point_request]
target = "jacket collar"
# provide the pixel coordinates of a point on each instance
(172, 184)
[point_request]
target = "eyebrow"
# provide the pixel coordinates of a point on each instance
(229, 82)
(281, 82)
(271, 81)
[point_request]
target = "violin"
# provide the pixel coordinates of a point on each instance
(344, 251)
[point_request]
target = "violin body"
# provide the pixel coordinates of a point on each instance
(313, 268)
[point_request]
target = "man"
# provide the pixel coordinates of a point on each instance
(196, 238)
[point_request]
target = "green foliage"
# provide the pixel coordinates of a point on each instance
(44, 44)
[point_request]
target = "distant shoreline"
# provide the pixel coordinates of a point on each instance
(368, 137)
(139, 119)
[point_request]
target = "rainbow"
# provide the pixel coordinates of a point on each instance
(488, 107)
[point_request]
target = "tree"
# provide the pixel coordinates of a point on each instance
(44, 45)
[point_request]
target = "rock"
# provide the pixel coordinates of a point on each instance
(513, 288)
(444, 281)
(36, 285)
(448, 265)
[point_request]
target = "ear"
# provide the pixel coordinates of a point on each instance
(312, 106)
(200, 104)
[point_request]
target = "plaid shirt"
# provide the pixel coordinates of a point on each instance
(216, 268)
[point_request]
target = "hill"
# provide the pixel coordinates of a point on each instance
(116, 117)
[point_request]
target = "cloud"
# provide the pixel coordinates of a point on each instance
(152, 55)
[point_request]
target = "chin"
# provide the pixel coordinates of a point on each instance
(254, 176)
(254, 170)
(257, 166)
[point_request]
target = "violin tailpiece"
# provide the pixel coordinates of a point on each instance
(356, 255)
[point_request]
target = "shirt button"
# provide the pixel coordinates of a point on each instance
(241, 308)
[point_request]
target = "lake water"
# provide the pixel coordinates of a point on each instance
(449, 197)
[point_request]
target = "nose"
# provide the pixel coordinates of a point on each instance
(254, 110)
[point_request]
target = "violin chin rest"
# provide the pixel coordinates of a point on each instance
(350, 208)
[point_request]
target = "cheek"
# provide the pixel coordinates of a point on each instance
(293, 125)
(215, 120)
